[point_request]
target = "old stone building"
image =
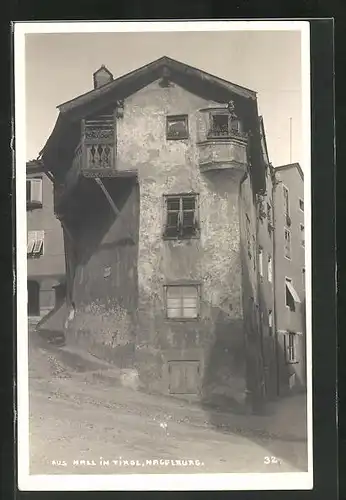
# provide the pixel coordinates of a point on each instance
(157, 176)
(45, 248)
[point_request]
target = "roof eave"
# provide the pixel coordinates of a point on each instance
(152, 66)
(290, 165)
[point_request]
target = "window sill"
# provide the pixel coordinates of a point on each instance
(182, 320)
(182, 138)
(33, 206)
(181, 238)
(292, 362)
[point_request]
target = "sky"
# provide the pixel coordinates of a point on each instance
(59, 67)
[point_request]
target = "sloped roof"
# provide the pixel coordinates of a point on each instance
(153, 69)
(61, 144)
(289, 166)
(264, 139)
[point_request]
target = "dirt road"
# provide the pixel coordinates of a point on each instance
(85, 427)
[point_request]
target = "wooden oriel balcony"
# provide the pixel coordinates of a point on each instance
(223, 151)
(95, 153)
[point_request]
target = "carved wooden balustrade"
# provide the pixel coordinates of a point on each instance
(96, 151)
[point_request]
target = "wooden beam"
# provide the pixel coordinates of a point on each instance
(107, 195)
(110, 201)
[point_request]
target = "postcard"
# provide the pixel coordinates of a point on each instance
(163, 181)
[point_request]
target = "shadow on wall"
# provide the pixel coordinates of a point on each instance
(93, 217)
(223, 383)
(219, 181)
(104, 289)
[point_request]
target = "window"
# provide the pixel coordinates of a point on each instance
(35, 243)
(287, 243)
(303, 277)
(292, 296)
(260, 261)
(270, 269)
(248, 236)
(34, 192)
(270, 322)
(181, 216)
(291, 347)
(224, 125)
(286, 202)
(177, 127)
(182, 301)
(302, 235)
(301, 204)
(269, 214)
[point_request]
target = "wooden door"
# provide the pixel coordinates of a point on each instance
(184, 377)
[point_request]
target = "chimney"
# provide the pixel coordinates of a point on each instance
(101, 77)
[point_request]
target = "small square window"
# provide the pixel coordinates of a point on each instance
(35, 243)
(177, 127)
(301, 204)
(181, 216)
(34, 192)
(182, 302)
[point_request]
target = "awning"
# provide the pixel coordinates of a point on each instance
(293, 292)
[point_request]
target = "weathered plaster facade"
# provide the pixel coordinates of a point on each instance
(212, 260)
(119, 261)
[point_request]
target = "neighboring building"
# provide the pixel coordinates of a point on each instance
(290, 275)
(45, 249)
(157, 176)
(265, 279)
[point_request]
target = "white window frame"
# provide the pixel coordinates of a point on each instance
(270, 321)
(290, 243)
(31, 201)
(35, 243)
(291, 348)
(260, 262)
(181, 317)
(270, 269)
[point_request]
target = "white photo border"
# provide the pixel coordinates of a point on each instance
(132, 482)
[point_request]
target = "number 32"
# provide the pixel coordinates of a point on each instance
(271, 460)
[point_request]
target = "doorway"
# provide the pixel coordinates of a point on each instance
(33, 298)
